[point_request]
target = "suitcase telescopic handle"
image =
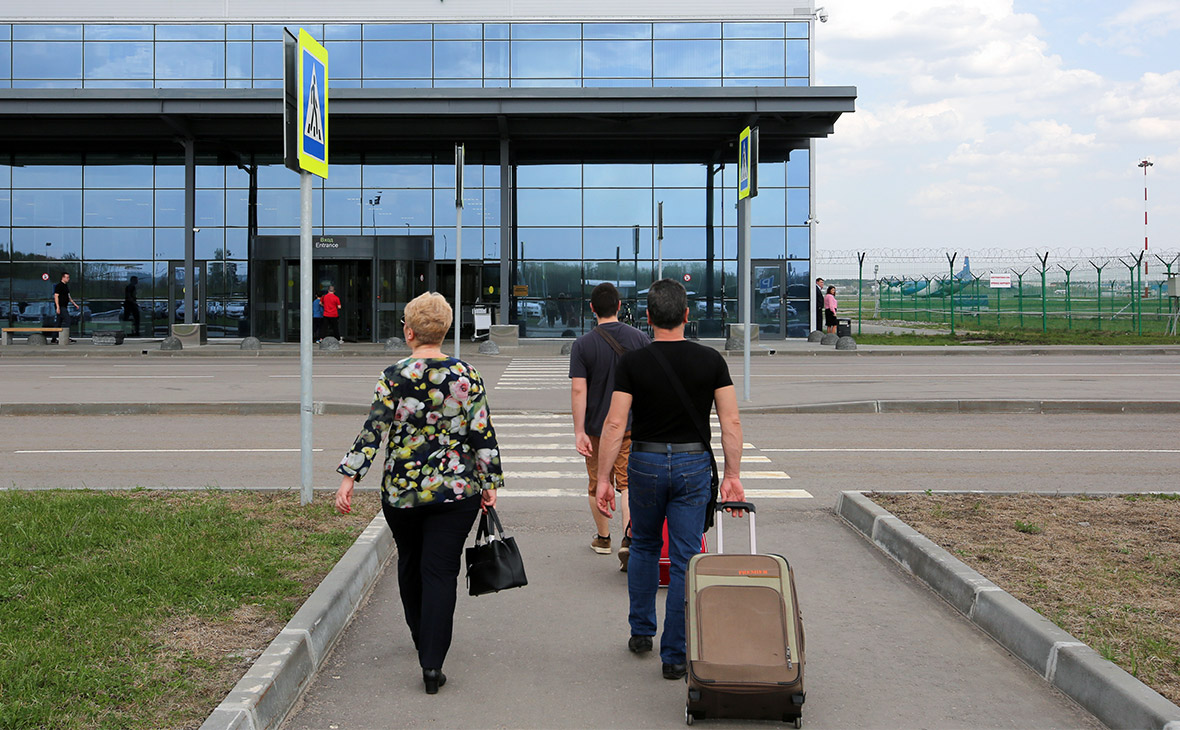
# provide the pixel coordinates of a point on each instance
(720, 522)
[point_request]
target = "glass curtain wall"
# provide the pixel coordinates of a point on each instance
(106, 219)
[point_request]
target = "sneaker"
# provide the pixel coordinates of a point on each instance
(600, 544)
(624, 553)
(639, 644)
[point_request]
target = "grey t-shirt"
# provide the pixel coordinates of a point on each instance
(595, 360)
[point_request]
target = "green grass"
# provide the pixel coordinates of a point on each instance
(1017, 337)
(87, 579)
(1028, 528)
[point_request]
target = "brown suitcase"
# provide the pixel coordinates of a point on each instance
(744, 634)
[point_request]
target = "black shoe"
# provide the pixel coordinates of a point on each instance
(433, 679)
(675, 671)
(639, 644)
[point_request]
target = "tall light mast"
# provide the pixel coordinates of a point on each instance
(1145, 163)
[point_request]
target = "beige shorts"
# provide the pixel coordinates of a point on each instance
(618, 473)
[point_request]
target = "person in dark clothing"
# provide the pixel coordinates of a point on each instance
(61, 303)
(669, 474)
(131, 306)
(819, 304)
(593, 360)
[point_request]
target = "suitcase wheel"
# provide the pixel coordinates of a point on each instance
(688, 718)
(797, 722)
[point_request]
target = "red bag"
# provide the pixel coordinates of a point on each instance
(666, 562)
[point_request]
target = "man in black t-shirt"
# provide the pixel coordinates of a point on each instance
(62, 301)
(669, 472)
(131, 305)
(592, 381)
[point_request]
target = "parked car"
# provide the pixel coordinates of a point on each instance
(529, 308)
(44, 314)
(771, 305)
(235, 309)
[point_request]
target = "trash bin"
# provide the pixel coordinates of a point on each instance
(843, 327)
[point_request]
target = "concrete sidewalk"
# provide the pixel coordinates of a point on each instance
(882, 650)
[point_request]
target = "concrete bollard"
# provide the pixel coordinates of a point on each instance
(251, 343)
(829, 339)
(567, 348)
(329, 344)
(846, 343)
(489, 348)
(815, 336)
(38, 339)
(171, 343)
(397, 346)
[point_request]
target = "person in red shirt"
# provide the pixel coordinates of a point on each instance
(332, 312)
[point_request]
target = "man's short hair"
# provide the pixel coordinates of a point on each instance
(818, 279)
(604, 300)
(64, 274)
(429, 315)
(666, 302)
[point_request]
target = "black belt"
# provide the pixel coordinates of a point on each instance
(664, 448)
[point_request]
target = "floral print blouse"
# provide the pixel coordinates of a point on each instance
(441, 447)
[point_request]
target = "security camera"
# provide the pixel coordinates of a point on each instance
(822, 14)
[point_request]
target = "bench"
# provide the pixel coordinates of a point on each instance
(63, 333)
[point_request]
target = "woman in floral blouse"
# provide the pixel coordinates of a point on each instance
(441, 463)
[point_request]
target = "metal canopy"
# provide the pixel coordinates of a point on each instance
(599, 124)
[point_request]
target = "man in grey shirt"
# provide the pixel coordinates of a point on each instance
(592, 375)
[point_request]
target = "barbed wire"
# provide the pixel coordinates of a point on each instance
(930, 263)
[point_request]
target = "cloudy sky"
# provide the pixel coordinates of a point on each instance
(986, 124)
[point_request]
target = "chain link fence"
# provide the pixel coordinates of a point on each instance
(1083, 289)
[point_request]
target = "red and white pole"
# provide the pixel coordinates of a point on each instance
(1145, 163)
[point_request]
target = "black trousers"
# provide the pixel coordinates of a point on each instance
(430, 543)
(333, 326)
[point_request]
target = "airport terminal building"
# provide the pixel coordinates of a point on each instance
(151, 147)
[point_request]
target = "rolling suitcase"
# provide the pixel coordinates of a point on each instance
(843, 327)
(666, 562)
(744, 634)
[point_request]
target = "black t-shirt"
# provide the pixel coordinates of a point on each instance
(62, 290)
(657, 412)
(594, 359)
(129, 294)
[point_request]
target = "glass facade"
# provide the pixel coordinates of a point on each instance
(106, 218)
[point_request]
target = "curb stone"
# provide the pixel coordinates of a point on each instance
(266, 693)
(1104, 689)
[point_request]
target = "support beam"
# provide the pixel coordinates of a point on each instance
(190, 224)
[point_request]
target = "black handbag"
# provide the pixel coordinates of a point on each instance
(493, 563)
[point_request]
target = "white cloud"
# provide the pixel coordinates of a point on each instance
(1140, 21)
(967, 114)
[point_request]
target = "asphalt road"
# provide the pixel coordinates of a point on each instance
(528, 383)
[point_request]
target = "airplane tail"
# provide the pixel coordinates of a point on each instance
(965, 274)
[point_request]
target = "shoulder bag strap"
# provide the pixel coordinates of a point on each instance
(614, 344)
(700, 423)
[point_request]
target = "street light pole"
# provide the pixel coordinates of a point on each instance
(1145, 163)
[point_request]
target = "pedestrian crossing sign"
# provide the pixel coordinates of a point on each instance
(744, 164)
(313, 105)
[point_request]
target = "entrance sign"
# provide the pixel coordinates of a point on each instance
(1001, 281)
(312, 60)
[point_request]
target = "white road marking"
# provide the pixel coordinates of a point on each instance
(158, 451)
(130, 377)
(936, 376)
(987, 451)
(525, 446)
(582, 475)
(581, 493)
(511, 459)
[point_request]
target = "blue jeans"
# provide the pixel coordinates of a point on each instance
(675, 487)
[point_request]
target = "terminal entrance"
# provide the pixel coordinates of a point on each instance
(374, 277)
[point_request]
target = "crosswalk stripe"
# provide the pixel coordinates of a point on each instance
(527, 446)
(512, 459)
(582, 475)
(581, 493)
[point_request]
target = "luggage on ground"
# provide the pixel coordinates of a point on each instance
(744, 634)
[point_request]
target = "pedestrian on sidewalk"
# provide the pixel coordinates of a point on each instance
(131, 305)
(331, 304)
(830, 307)
(593, 360)
(442, 462)
(819, 303)
(317, 317)
(669, 472)
(61, 303)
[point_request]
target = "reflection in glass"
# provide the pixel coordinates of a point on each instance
(99, 175)
(118, 61)
(617, 176)
(118, 208)
(767, 243)
(47, 207)
(799, 169)
(798, 243)
(798, 206)
(397, 176)
(397, 31)
(617, 59)
(550, 243)
(39, 32)
(46, 60)
(549, 207)
(753, 30)
(117, 243)
(687, 30)
(397, 60)
(610, 207)
(46, 243)
(117, 32)
(458, 59)
(754, 58)
(345, 59)
(495, 59)
(549, 176)
(546, 59)
(195, 32)
(169, 207)
(797, 61)
(687, 58)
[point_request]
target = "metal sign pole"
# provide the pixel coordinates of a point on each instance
(747, 294)
(305, 297)
(458, 243)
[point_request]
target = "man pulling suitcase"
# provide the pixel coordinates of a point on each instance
(669, 387)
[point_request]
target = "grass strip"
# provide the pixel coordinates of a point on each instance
(1107, 570)
(142, 609)
(1017, 337)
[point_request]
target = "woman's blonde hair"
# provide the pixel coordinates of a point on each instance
(429, 315)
